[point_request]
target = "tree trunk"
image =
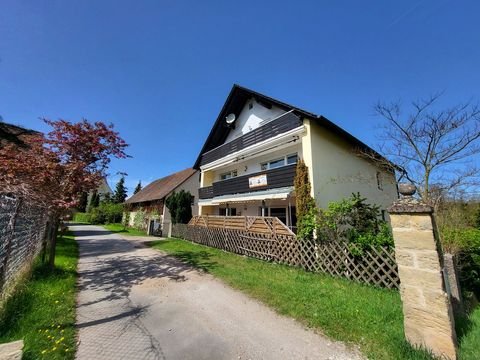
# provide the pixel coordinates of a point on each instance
(46, 237)
(53, 242)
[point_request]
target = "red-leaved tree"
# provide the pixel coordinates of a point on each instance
(54, 169)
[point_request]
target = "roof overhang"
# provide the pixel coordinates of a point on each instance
(272, 194)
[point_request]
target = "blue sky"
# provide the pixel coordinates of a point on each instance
(161, 70)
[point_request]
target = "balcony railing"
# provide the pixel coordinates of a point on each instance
(275, 127)
(205, 192)
(275, 178)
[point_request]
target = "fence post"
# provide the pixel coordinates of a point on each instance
(427, 310)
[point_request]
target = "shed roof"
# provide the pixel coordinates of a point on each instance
(160, 188)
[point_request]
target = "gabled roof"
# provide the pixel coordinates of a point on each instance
(160, 188)
(235, 102)
(14, 134)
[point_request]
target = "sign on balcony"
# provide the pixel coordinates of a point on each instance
(256, 181)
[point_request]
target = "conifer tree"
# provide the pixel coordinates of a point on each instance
(305, 204)
(120, 191)
(137, 188)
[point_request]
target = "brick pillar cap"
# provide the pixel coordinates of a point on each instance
(409, 205)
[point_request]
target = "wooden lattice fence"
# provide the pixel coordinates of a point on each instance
(269, 239)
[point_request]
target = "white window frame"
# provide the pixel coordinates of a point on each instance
(266, 165)
(230, 174)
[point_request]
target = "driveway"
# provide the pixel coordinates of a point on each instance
(138, 303)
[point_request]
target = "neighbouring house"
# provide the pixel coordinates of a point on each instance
(146, 209)
(247, 164)
(16, 135)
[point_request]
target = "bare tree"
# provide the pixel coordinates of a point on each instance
(434, 148)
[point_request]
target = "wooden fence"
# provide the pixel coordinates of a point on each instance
(267, 238)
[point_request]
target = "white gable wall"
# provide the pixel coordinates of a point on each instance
(250, 119)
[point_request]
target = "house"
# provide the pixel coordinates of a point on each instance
(15, 135)
(247, 164)
(146, 209)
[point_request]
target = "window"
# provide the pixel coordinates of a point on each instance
(379, 181)
(276, 163)
(292, 159)
(227, 211)
(286, 160)
(228, 175)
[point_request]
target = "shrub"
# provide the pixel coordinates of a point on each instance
(180, 206)
(466, 244)
(82, 217)
(306, 209)
(355, 221)
(107, 213)
(139, 220)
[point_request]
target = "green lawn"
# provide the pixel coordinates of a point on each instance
(119, 228)
(470, 341)
(344, 310)
(42, 310)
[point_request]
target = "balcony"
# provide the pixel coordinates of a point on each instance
(284, 123)
(275, 178)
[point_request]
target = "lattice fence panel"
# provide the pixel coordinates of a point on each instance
(373, 265)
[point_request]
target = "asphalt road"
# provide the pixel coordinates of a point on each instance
(137, 303)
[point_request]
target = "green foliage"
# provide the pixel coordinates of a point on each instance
(106, 198)
(125, 218)
(120, 193)
(180, 206)
(466, 242)
(107, 213)
(307, 224)
(355, 221)
(81, 217)
(305, 205)
(137, 188)
(42, 310)
(139, 220)
(456, 223)
(94, 201)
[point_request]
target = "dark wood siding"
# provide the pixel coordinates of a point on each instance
(276, 178)
(205, 192)
(275, 127)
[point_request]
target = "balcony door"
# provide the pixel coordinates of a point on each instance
(280, 213)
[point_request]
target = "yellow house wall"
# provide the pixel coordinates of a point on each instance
(207, 178)
(337, 171)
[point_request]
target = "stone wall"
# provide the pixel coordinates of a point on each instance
(22, 229)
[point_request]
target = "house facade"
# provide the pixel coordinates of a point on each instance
(146, 209)
(247, 165)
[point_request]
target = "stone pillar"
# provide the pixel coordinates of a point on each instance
(428, 317)
(12, 350)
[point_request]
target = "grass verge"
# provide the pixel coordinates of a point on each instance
(119, 228)
(470, 341)
(42, 309)
(343, 310)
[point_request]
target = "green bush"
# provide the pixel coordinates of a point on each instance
(139, 220)
(107, 213)
(180, 206)
(466, 242)
(82, 217)
(355, 221)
